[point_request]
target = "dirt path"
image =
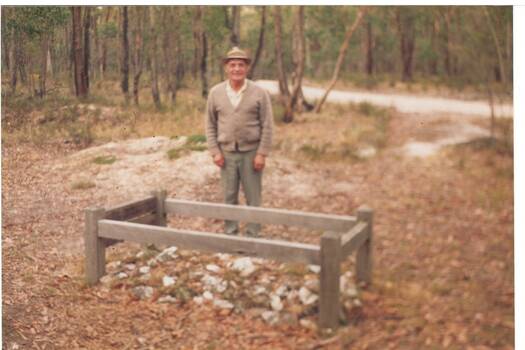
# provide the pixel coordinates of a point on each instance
(403, 103)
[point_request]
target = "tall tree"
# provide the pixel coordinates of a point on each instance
(369, 66)
(124, 66)
(87, 47)
(235, 26)
(405, 19)
(81, 86)
(501, 63)
(342, 51)
(138, 52)
(281, 73)
(260, 43)
(154, 65)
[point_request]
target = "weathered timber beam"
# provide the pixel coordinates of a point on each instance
(354, 238)
(211, 242)
(338, 223)
(132, 209)
(148, 219)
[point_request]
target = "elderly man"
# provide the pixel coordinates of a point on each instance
(239, 122)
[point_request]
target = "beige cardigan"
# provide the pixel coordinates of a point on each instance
(250, 124)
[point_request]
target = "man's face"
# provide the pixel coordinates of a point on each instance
(236, 70)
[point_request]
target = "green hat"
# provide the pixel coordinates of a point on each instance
(238, 54)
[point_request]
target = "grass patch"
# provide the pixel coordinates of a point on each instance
(82, 185)
(104, 160)
(175, 153)
(196, 139)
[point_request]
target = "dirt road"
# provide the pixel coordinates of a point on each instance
(403, 103)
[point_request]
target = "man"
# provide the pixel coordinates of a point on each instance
(239, 123)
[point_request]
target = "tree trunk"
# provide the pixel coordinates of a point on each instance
(406, 28)
(13, 67)
(87, 51)
(298, 60)
(235, 34)
(103, 62)
(137, 60)
(154, 61)
(283, 83)
(433, 64)
(81, 90)
(204, 57)
(44, 50)
(197, 40)
(369, 48)
(260, 43)
(501, 63)
(124, 67)
(342, 51)
(447, 63)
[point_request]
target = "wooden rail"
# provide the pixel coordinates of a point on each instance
(143, 221)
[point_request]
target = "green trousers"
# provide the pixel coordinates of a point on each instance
(237, 170)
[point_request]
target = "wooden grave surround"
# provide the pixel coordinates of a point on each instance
(144, 221)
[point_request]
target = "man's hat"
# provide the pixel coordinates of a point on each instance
(238, 54)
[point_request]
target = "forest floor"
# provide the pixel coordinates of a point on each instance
(443, 273)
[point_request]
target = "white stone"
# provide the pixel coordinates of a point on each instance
(244, 265)
(276, 302)
(144, 270)
(223, 304)
(167, 254)
(366, 152)
(106, 279)
(113, 265)
(308, 324)
(281, 290)
(314, 268)
(145, 277)
(312, 285)
(130, 267)
(213, 268)
(198, 300)
(122, 275)
(168, 281)
(143, 292)
(223, 256)
(167, 299)
(293, 294)
(271, 317)
(139, 254)
(307, 297)
(259, 290)
(207, 295)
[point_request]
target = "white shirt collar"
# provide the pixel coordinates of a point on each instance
(230, 89)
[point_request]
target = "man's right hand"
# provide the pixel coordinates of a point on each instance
(218, 159)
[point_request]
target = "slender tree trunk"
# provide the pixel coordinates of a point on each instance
(87, 50)
(501, 63)
(260, 43)
(406, 29)
(433, 64)
(342, 51)
(235, 35)
(281, 73)
(103, 62)
(44, 48)
(369, 48)
(197, 40)
(298, 60)
(138, 52)
(124, 67)
(81, 89)
(13, 67)
(204, 57)
(154, 60)
(448, 64)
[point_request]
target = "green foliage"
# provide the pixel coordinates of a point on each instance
(33, 20)
(174, 153)
(104, 160)
(108, 30)
(196, 139)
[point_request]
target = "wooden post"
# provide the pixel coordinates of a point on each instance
(330, 272)
(364, 252)
(94, 246)
(161, 206)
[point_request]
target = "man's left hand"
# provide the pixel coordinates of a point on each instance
(259, 162)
